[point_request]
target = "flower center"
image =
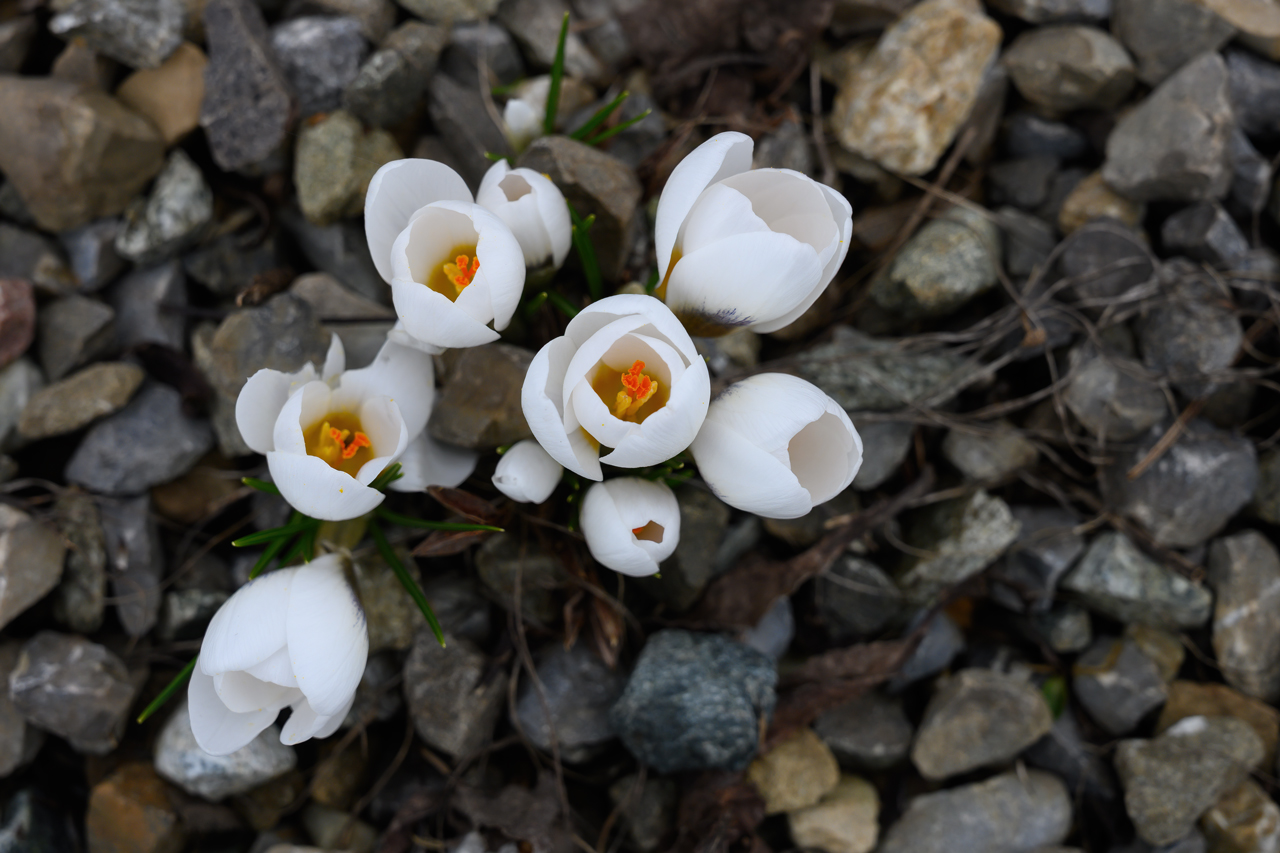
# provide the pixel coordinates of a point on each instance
(339, 441)
(651, 532)
(628, 394)
(452, 277)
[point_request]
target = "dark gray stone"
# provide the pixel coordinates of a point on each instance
(648, 808)
(16, 35)
(376, 17)
(1255, 92)
(1069, 67)
(282, 334)
(1244, 571)
(459, 115)
(788, 147)
(941, 643)
(459, 603)
(136, 561)
(870, 733)
(886, 444)
(139, 33)
(700, 555)
(1064, 752)
(1052, 11)
(148, 305)
(1023, 183)
(989, 457)
(1206, 232)
(949, 261)
(1163, 35)
(92, 253)
(79, 601)
(1266, 499)
(376, 698)
(536, 26)
(180, 759)
(695, 702)
(186, 613)
(856, 598)
(173, 216)
(74, 330)
(453, 696)
(862, 373)
(1117, 579)
(19, 742)
(1028, 241)
(1250, 175)
(579, 690)
(1030, 135)
(1117, 684)
(1110, 395)
(1104, 259)
(955, 539)
(225, 266)
(1046, 548)
(1065, 627)
(469, 41)
(31, 556)
(319, 57)
(392, 83)
(341, 250)
(35, 258)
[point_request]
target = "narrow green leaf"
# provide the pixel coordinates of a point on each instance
(267, 556)
(557, 76)
(599, 118)
(652, 284)
(299, 549)
(508, 89)
(423, 524)
(1054, 690)
(392, 473)
(587, 252)
(167, 694)
(565, 306)
(273, 534)
(260, 485)
(495, 157)
(617, 128)
(406, 580)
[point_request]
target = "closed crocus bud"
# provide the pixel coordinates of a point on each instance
(523, 122)
(533, 208)
(740, 247)
(294, 638)
(625, 375)
(631, 525)
(526, 473)
(776, 446)
(327, 438)
(454, 267)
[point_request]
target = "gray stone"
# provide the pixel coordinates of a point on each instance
(34, 258)
(458, 113)
(941, 643)
(886, 444)
(1173, 779)
(961, 537)
(247, 105)
(16, 35)
(870, 733)
(72, 688)
(1064, 752)
(459, 603)
(1163, 35)
(333, 829)
(1028, 135)
(1052, 11)
(1069, 67)
(319, 57)
(376, 698)
(788, 147)
(773, 634)
(78, 400)
(376, 17)
(341, 250)
(334, 160)
(1266, 499)
(19, 742)
(1011, 811)
(945, 264)
(1205, 232)
(978, 718)
(1244, 571)
(1117, 684)
(871, 374)
(1109, 395)
(1047, 546)
(330, 300)
(73, 330)
(8, 468)
(499, 560)
(454, 697)
(31, 555)
(1255, 92)
(1065, 627)
(186, 613)
(703, 552)
(1191, 491)
(173, 216)
(479, 407)
(392, 84)
(180, 759)
(135, 559)
(391, 617)
(1189, 333)
(225, 266)
(149, 442)
(1028, 241)
(648, 808)
(536, 26)
(80, 599)
(91, 251)
(139, 33)
(1250, 175)
(579, 690)
(468, 42)
(1118, 580)
(281, 334)
(990, 457)
(148, 303)
(1175, 145)
(856, 598)
(19, 382)
(695, 702)
(1105, 258)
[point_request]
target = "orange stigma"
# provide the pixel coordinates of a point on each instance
(636, 531)
(340, 442)
(339, 437)
(462, 271)
(637, 388)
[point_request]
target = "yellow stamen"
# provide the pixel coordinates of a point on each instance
(632, 395)
(462, 271)
(452, 277)
(340, 442)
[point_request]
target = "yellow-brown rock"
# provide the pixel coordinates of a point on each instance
(844, 821)
(130, 812)
(169, 95)
(795, 774)
(1196, 699)
(1245, 820)
(1093, 198)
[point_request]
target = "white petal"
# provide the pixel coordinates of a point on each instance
(501, 265)
(397, 190)
(387, 434)
(313, 488)
(217, 729)
(242, 693)
(398, 335)
(659, 316)
(540, 398)
(427, 462)
(526, 473)
(613, 510)
(721, 211)
(275, 669)
(555, 214)
(790, 203)
(672, 428)
(328, 639)
(524, 123)
(249, 626)
(431, 318)
(719, 157)
(508, 195)
(335, 361)
(745, 476)
(406, 375)
(304, 407)
(259, 404)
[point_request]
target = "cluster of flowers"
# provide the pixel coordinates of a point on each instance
(736, 248)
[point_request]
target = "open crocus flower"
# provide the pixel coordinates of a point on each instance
(453, 266)
(631, 525)
(293, 638)
(741, 247)
(624, 375)
(526, 473)
(776, 446)
(327, 438)
(533, 208)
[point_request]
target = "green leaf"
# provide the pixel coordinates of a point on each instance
(1054, 691)
(587, 252)
(565, 306)
(599, 118)
(167, 694)
(617, 128)
(406, 580)
(423, 524)
(495, 157)
(275, 533)
(260, 485)
(299, 549)
(534, 303)
(267, 556)
(389, 475)
(652, 284)
(557, 76)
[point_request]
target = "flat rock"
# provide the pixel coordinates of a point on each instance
(695, 702)
(470, 40)
(1205, 232)
(341, 250)
(795, 774)
(1117, 684)
(1117, 579)
(945, 264)
(1163, 35)
(961, 538)
(180, 759)
(144, 302)
(1111, 395)
(1046, 548)
(1028, 135)
(391, 85)
(136, 561)
(80, 399)
(989, 457)
(319, 56)
(579, 690)
(17, 318)
(890, 441)
(1255, 92)
(844, 821)
(1065, 627)
(870, 733)
(1250, 187)
(941, 643)
(498, 561)
(139, 33)
(1244, 571)
(1070, 67)
(91, 252)
(465, 127)
(863, 373)
(169, 95)
(1191, 332)
(536, 26)
(282, 334)
(173, 216)
(225, 265)
(479, 406)
(1065, 753)
(187, 612)
(1207, 699)
(31, 555)
(1024, 182)
(453, 703)
(1245, 818)
(19, 742)
(333, 163)
(74, 330)
(855, 597)
(132, 810)
(903, 106)
(1106, 258)
(376, 17)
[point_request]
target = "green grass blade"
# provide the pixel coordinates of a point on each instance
(599, 118)
(167, 694)
(587, 252)
(407, 581)
(274, 534)
(565, 306)
(260, 485)
(557, 76)
(618, 128)
(267, 556)
(423, 524)
(392, 473)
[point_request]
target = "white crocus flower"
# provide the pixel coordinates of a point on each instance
(776, 446)
(327, 438)
(526, 473)
(523, 121)
(453, 266)
(741, 247)
(631, 525)
(533, 208)
(624, 375)
(293, 638)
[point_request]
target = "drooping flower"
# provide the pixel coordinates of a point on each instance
(625, 375)
(293, 638)
(533, 208)
(777, 446)
(327, 438)
(741, 247)
(526, 473)
(453, 266)
(631, 525)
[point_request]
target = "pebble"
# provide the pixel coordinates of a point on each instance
(1266, 499)
(341, 250)
(135, 559)
(1106, 258)
(173, 216)
(319, 57)
(1251, 174)
(187, 612)
(705, 550)
(1163, 35)
(451, 11)
(1175, 145)
(695, 702)
(132, 810)
(376, 700)
(1120, 581)
(19, 742)
(844, 821)
(1052, 11)
(855, 598)
(1046, 548)
(453, 705)
(1246, 818)
(1208, 699)
(1191, 332)
(1255, 92)
(647, 807)
(497, 562)
(139, 33)
(471, 40)
(946, 263)
(862, 373)
(1070, 67)
(1065, 627)
(1027, 134)
(79, 600)
(479, 406)
(16, 35)
(73, 330)
(392, 83)
(465, 127)
(281, 334)
(393, 619)
(334, 830)
(376, 17)
(1171, 780)
(80, 399)
(961, 537)
(1108, 395)
(169, 95)
(180, 759)
(144, 302)
(1191, 491)
(989, 457)
(1023, 182)
(73, 688)
(91, 251)
(17, 318)
(941, 643)
(1205, 232)
(891, 441)
(1012, 811)
(870, 733)
(1163, 647)
(1064, 752)
(18, 383)
(1092, 199)
(333, 163)
(247, 105)
(978, 718)
(1117, 684)
(31, 555)
(904, 105)
(80, 63)
(70, 178)
(795, 774)
(34, 259)
(536, 26)
(773, 634)
(1244, 571)
(459, 603)
(224, 266)
(579, 690)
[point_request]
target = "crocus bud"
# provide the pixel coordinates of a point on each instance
(631, 525)
(776, 446)
(624, 375)
(293, 638)
(523, 122)
(533, 208)
(526, 473)
(741, 247)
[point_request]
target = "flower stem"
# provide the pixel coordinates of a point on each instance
(406, 580)
(167, 694)
(599, 117)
